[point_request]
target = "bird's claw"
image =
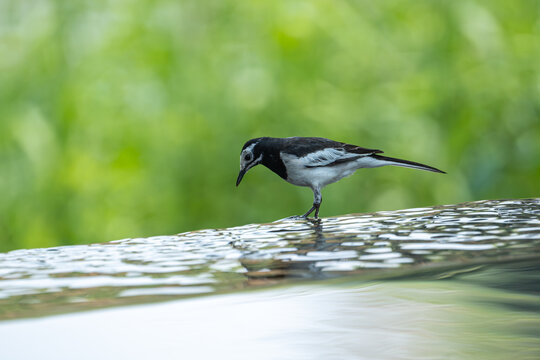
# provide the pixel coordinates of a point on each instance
(302, 217)
(295, 217)
(315, 220)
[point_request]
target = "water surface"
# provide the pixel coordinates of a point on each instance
(430, 243)
(491, 313)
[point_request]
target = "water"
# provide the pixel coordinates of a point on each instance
(428, 241)
(456, 281)
(474, 315)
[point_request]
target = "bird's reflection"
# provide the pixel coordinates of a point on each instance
(297, 263)
(319, 239)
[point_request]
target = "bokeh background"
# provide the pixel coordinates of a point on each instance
(126, 118)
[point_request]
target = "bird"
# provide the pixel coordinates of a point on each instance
(314, 162)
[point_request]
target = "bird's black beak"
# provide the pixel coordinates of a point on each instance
(240, 176)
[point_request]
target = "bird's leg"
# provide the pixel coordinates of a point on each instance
(309, 212)
(317, 199)
(317, 210)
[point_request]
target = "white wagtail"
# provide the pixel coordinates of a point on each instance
(314, 162)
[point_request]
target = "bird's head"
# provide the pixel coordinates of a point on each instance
(251, 155)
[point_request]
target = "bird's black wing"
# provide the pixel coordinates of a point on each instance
(360, 150)
(301, 146)
(317, 152)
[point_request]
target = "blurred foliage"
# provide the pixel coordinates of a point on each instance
(126, 119)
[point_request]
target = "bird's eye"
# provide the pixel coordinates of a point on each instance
(247, 157)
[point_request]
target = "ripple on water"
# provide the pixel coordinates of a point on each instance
(208, 261)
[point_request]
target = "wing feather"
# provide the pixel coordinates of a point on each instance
(329, 157)
(317, 152)
(301, 146)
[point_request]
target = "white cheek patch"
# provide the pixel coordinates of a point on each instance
(246, 151)
(254, 162)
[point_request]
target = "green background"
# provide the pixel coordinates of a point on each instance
(126, 118)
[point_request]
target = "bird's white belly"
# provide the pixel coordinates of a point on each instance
(317, 177)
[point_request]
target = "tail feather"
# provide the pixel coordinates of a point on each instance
(406, 163)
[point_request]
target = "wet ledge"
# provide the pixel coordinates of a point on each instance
(433, 242)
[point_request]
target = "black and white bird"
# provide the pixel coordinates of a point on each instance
(314, 162)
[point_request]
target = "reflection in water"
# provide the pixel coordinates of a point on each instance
(437, 242)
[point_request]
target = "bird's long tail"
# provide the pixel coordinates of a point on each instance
(405, 163)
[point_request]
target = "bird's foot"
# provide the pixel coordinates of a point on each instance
(303, 217)
(314, 220)
(299, 217)
(295, 217)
